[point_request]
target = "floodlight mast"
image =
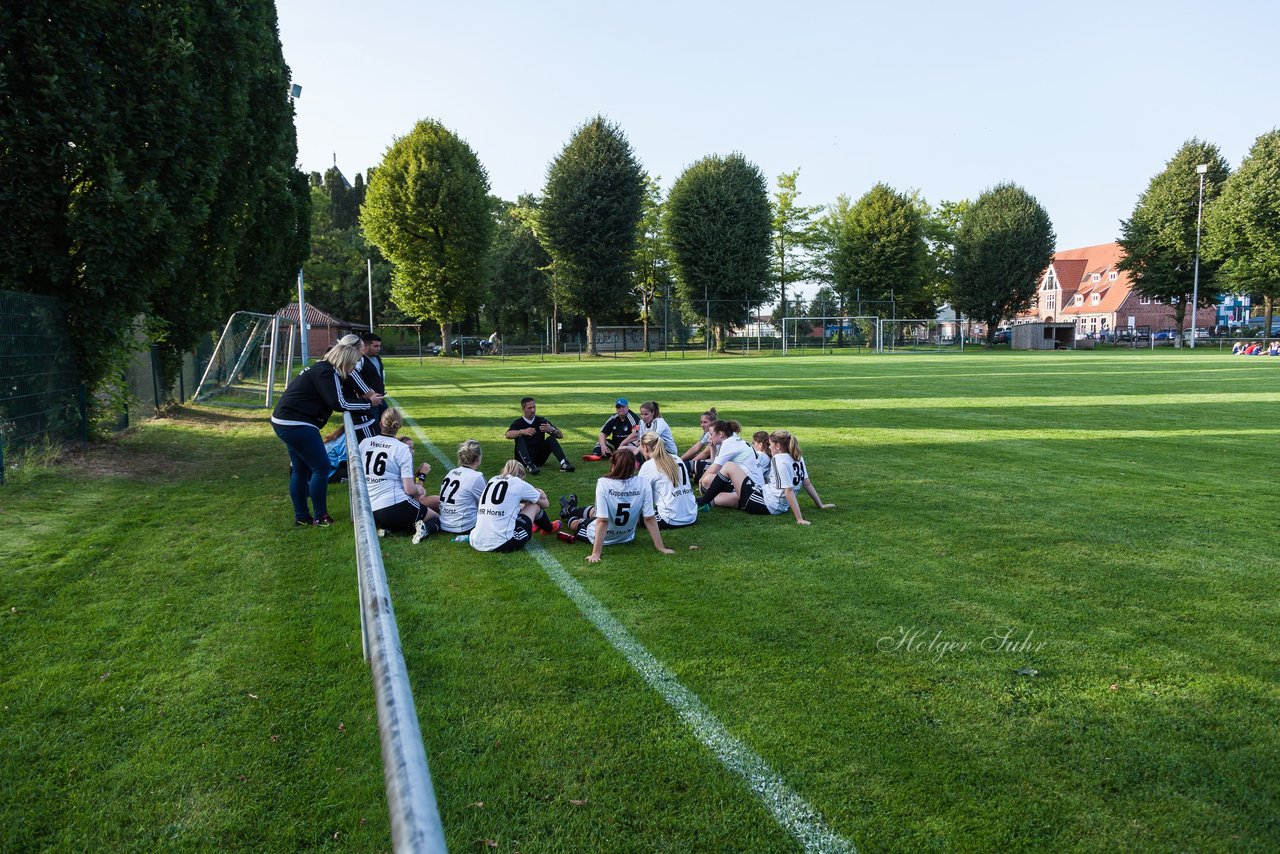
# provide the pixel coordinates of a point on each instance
(1195, 286)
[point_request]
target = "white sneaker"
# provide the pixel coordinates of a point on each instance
(419, 531)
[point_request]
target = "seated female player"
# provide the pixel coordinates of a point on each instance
(394, 496)
(673, 499)
(509, 509)
(622, 499)
(460, 491)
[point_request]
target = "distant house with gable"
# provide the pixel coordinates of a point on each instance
(1086, 287)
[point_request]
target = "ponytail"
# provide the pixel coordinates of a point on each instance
(726, 428)
(661, 457)
(783, 439)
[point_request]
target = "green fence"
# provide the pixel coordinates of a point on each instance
(41, 392)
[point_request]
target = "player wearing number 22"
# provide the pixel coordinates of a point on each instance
(622, 499)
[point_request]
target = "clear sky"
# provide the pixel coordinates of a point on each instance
(1081, 104)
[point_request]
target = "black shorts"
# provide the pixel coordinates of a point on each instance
(520, 537)
(751, 500)
(664, 525)
(399, 517)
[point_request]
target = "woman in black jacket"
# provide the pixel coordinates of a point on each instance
(304, 408)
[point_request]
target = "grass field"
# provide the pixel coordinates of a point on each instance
(179, 668)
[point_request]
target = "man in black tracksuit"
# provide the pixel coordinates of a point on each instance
(536, 438)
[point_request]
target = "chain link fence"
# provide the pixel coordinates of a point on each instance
(42, 397)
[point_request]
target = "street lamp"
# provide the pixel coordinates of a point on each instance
(1195, 286)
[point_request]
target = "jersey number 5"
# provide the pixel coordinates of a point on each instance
(623, 514)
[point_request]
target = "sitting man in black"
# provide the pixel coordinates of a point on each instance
(619, 426)
(536, 438)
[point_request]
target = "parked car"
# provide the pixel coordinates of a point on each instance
(468, 345)
(1166, 335)
(1002, 336)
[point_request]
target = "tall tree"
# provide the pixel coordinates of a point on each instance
(793, 237)
(1159, 238)
(590, 211)
(1004, 243)
(652, 259)
(174, 158)
(520, 272)
(427, 209)
(941, 223)
(1243, 226)
(718, 227)
(881, 255)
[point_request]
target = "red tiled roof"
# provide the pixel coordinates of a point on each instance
(1100, 260)
(316, 317)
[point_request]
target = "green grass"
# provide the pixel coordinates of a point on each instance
(1114, 506)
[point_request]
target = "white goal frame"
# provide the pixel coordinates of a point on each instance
(250, 359)
(867, 325)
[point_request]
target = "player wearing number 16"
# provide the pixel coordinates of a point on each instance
(398, 502)
(622, 499)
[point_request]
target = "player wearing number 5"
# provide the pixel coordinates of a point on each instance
(397, 501)
(622, 499)
(509, 509)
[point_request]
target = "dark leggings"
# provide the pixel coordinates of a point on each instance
(399, 517)
(309, 469)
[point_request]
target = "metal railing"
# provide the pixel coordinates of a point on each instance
(411, 800)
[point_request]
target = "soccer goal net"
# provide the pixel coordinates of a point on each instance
(912, 335)
(251, 362)
(829, 333)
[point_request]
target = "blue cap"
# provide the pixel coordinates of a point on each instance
(622, 401)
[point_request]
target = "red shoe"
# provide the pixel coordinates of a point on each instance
(567, 536)
(555, 528)
(592, 458)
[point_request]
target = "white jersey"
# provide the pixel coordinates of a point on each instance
(622, 502)
(663, 429)
(674, 503)
(734, 450)
(781, 477)
(764, 466)
(499, 505)
(460, 493)
(387, 461)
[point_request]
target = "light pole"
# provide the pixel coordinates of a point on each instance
(1195, 286)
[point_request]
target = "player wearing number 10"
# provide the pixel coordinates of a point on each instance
(508, 508)
(622, 499)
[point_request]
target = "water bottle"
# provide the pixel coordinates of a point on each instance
(462, 538)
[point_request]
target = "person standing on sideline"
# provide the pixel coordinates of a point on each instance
(355, 386)
(373, 372)
(302, 411)
(536, 439)
(615, 431)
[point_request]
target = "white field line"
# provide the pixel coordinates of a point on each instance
(790, 810)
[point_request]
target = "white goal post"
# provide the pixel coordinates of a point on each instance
(828, 333)
(912, 335)
(251, 361)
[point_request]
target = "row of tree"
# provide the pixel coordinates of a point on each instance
(601, 241)
(147, 157)
(1240, 229)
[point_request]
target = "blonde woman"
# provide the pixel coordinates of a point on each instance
(673, 500)
(398, 501)
(509, 510)
(303, 409)
(461, 489)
